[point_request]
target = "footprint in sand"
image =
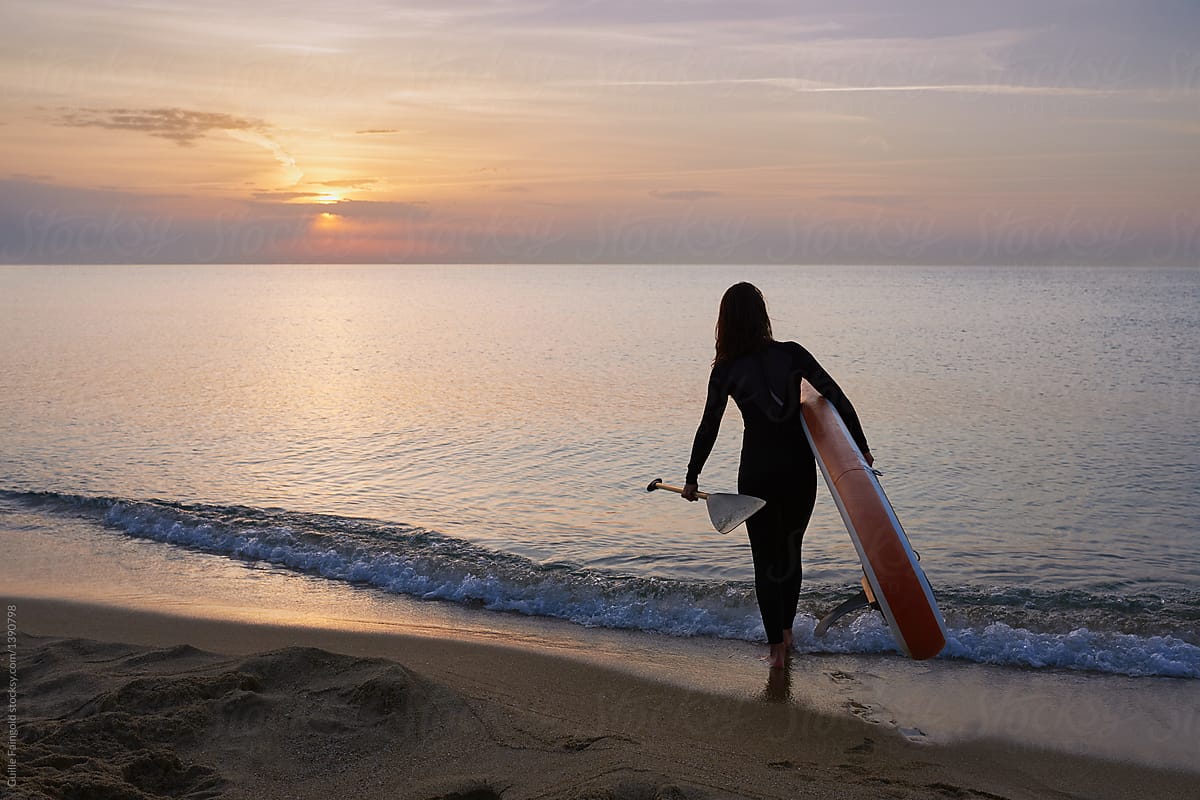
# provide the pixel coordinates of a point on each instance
(867, 746)
(862, 711)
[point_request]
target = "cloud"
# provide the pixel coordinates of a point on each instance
(304, 49)
(348, 183)
(47, 223)
(44, 223)
(379, 209)
(875, 143)
(802, 86)
(266, 142)
(285, 196)
(370, 131)
(884, 200)
(296, 194)
(179, 125)
(184, 127)
(689, 195)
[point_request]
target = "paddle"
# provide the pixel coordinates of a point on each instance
(726, 511)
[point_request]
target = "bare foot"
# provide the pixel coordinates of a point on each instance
(778, 657)
(787, 638)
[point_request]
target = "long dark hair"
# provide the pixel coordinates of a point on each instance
(742, 324)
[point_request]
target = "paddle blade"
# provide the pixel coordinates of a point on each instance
(727, 511)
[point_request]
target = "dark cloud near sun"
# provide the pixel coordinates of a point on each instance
(44, 223)
(178, 125)
(373, 131)
(285, 195)
(379, 210)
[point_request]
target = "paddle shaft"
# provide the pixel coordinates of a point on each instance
(675, 489)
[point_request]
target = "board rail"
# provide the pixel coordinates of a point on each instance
(891, 567)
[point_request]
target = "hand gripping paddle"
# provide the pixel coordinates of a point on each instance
(726, 511)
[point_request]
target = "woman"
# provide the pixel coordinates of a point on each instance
(763, 378)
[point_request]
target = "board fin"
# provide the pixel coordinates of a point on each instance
(864, 599)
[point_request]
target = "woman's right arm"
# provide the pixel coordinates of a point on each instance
(710, 424)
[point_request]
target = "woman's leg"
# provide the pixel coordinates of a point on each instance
(797, 523)
(798, 509)
(772, 567)
(776, 534)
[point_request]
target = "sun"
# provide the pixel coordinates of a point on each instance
(327, 221)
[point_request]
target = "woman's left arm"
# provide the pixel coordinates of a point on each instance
(824, 383)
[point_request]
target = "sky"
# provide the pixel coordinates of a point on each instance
(691, 131)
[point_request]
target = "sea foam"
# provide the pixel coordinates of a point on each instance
(1036, 630)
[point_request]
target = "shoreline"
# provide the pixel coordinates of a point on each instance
(59, 561)
(554, 723)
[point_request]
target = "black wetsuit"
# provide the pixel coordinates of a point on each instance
(776, 464)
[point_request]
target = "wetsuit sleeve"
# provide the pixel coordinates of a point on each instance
(710, 424)
(825, 384)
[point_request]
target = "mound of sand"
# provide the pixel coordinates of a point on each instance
(110, 721)
(114, 721)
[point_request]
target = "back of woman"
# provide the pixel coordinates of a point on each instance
(763, 378)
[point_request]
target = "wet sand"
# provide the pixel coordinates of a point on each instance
(121, 703)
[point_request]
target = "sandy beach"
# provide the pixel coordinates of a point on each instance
(115, 703)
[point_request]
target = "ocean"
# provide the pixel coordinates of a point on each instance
(481, 436)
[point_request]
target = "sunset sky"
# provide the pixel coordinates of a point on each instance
(527, 131)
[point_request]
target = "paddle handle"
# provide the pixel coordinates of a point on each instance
(658, 484)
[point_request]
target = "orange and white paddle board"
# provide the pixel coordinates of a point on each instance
(893, 575)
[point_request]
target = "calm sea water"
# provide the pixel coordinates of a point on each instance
(484, 434)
